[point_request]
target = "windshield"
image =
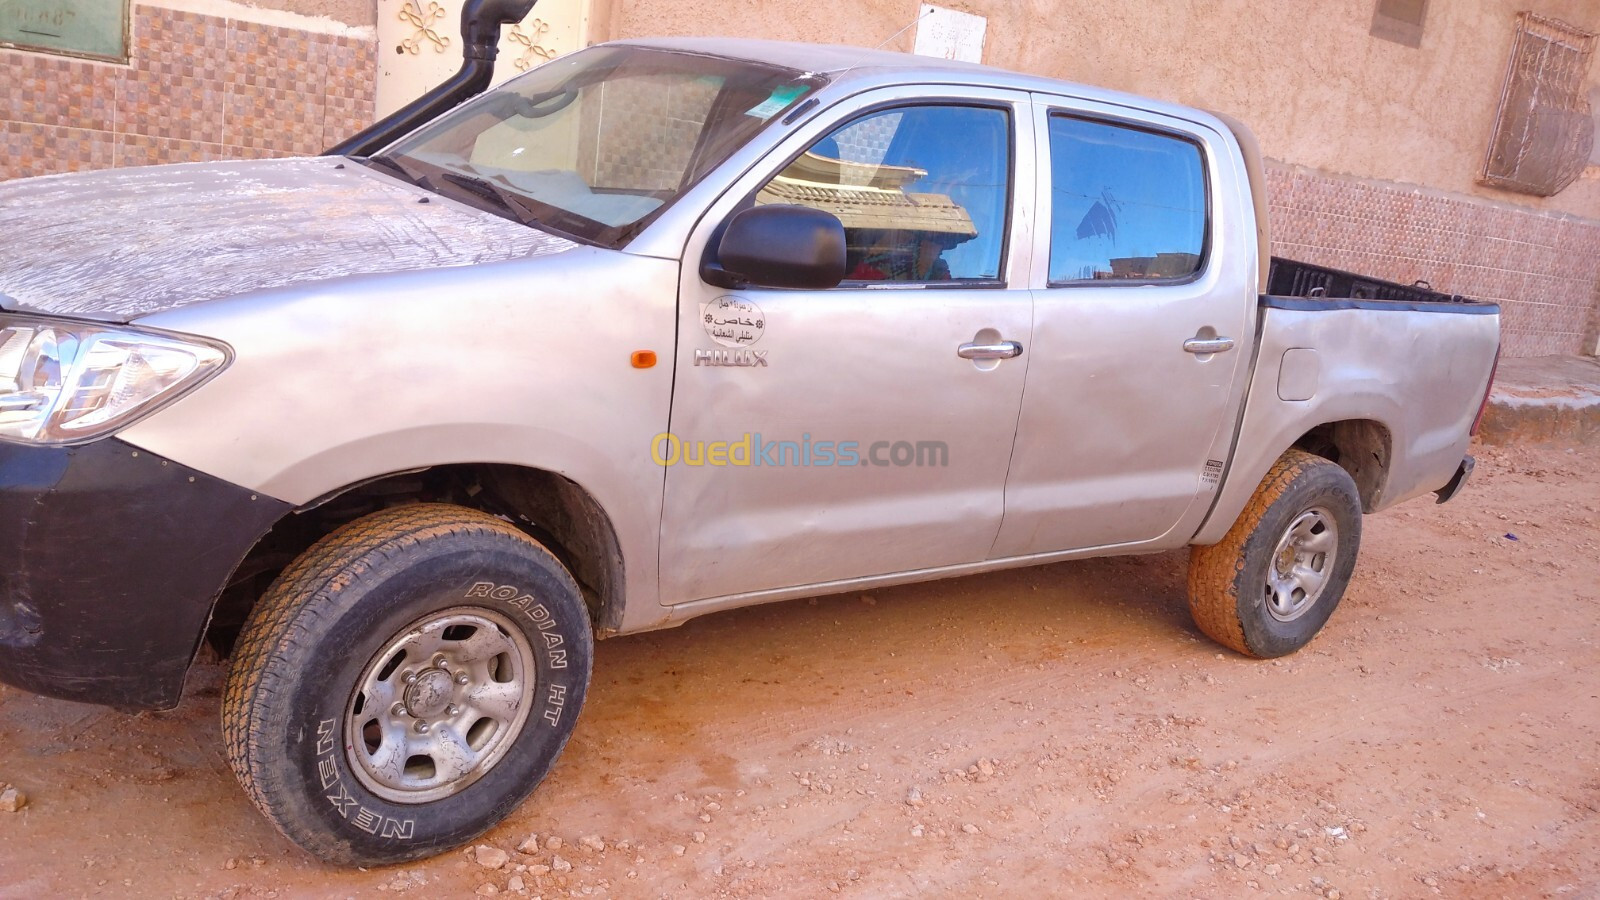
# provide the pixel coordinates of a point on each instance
(596, 144)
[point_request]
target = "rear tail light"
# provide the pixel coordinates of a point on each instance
(1483, 407)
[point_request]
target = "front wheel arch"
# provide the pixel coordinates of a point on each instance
(559, 513)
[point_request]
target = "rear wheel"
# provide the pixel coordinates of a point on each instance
(1273, 580)
(406, 683)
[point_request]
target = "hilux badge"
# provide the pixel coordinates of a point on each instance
(745, 358)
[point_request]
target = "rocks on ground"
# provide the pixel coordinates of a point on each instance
(12, 799)
(492, 857)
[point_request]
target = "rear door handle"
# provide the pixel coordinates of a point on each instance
(1208, 345)
(996, 350)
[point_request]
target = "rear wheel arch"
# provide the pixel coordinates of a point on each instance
(1362, 447)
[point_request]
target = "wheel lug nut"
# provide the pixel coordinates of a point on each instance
(422, 728)
(461, 678)
(411, 678)
(399, 709)
(441, 662)
(454, 710)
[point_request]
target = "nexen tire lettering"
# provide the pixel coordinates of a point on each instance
(338, 795)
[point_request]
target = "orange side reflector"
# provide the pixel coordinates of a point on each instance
(643, 359)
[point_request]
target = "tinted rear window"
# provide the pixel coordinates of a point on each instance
(1126, 204)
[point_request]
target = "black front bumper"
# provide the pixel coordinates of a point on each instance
(111, 559)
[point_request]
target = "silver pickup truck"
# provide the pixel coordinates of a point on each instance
(659, 329)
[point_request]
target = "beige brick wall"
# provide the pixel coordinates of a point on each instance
(1591, 338)
(1543, 268)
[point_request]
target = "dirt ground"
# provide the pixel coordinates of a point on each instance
(1051, 731)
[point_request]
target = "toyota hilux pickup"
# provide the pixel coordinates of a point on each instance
(657, 329)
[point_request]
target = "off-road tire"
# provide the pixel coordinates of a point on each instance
(315, 635)
(1228, 580)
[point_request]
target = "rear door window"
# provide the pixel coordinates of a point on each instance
(1127, 204)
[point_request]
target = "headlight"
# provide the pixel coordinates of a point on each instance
(66, 382)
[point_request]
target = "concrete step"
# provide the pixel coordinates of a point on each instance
(1544, 399)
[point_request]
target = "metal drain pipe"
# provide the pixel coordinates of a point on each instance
(481, 21)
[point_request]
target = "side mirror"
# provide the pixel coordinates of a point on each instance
(778, 246)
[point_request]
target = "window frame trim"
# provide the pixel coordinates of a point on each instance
(1052, 110)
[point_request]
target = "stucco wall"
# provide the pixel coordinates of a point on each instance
(1306, 75)
(350, 12)
(356, 13)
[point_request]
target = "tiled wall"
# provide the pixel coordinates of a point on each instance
(198, 88)
(1543, 269)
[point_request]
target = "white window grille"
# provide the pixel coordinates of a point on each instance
(1544, 131)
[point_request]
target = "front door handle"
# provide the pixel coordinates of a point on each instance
(1208, 345)
(996, 350)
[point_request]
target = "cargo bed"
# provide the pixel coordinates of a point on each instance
(1290, 278)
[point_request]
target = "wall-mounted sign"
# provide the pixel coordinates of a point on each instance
(96, 29)
(948, 34)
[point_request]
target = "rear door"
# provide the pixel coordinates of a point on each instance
(1143, 328)
(821, 436)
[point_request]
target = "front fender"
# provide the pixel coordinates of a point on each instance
(524, 363)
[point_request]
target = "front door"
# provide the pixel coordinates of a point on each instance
(821, 436)
(1143, 331)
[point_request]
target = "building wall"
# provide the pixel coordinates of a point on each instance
(419, 52)
(207, 79)
(348, 12)
(1316, 87)
(1543, 269)
(1375, 147)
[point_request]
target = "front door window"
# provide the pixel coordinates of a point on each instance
(922, 192)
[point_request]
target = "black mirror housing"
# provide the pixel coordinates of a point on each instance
(779, 246)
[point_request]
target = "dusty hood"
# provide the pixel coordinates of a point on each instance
(125, 243)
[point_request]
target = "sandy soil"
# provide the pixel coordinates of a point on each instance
(1047, 731)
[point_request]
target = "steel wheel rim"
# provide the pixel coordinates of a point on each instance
(1302, 564)
(439, 705)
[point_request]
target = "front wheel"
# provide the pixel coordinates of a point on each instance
(1273, 580)
(406, 683)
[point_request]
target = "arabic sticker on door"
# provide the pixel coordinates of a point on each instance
(732, 321)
